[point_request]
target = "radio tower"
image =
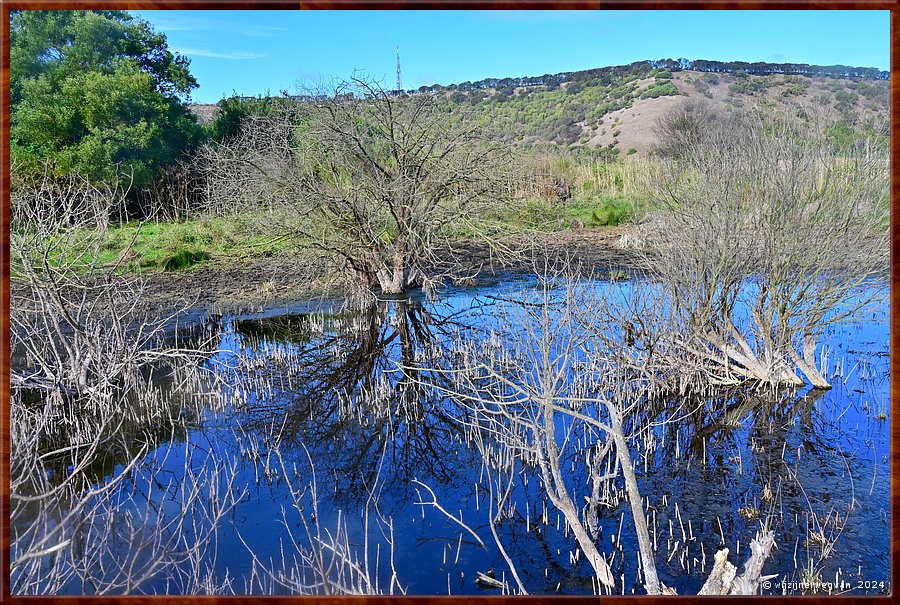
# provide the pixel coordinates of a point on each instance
(399, 81)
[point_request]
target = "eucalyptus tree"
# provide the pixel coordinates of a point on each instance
(97, 94)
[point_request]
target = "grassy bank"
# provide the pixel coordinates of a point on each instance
(549, 216)
(598, 195)
(174, 246)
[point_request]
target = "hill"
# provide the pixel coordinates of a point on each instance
(613, 110)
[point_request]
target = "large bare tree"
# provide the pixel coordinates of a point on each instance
(370, 178)
(771, 233)
(562, 386)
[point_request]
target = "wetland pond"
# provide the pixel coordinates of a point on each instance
(331, 457)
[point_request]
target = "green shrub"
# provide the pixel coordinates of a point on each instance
(845, 99)
(184, 258)
(659, 89)
(606, 211)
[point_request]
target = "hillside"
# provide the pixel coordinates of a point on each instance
(859, 105)
(613, 110)
(619, 114)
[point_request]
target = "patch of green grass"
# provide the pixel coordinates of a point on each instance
(537, 214)
(601, 212)
(585, 210)
(179, 246)
(175, 246)
(184, 258)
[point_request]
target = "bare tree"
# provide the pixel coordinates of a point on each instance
(373, 180)
(83, 398)
(770, 235)
(687, 125)
(565, 387)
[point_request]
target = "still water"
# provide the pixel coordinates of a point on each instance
(326, 443)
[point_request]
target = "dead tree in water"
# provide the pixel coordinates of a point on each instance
(373, 181)
(558, 385)
(770, 235)
(83, 403)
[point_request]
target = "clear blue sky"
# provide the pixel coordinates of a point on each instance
(252, 52)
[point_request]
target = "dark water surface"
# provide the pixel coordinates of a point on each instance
(312, 393)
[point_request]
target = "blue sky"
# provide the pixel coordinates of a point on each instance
(254, 52)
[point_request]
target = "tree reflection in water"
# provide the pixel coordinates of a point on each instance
(332, 382)
(324, 390)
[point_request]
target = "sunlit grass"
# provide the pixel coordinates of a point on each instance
(176, 246)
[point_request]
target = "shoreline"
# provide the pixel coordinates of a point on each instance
(255, 285)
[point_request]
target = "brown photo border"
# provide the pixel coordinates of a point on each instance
(894, 343)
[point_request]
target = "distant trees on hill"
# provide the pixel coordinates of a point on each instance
(605, 75)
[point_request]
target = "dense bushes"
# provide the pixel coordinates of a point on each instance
(96, 93)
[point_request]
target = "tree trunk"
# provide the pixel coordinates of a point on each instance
(397, 278)
(807, 364)
(390, 285)
(558, 493)
(648, 557)
(723, 578)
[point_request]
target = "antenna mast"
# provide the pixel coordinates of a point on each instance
(399, 81)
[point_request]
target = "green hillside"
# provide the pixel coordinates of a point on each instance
(613, 110)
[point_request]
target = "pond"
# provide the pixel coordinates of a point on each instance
(323, 444)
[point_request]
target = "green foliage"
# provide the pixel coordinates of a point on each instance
(535, 214)
(846, 135)
(184, 258)
(659, 89)
(845, 99)
(801, 82)
(841, 134)
(876, 91)
(233, 110)
(794, 88)
(835, 86)
(586, 210)
(93, 90)
(605, 211)
(556, 114)
(749, 85)
(564, 131)
(175, 246)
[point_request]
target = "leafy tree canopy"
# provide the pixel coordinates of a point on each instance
(96, 93)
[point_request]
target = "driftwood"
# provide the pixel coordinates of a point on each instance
(488, 580)
(723, 579)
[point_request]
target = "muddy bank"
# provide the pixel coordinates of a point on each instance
(251, 285)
